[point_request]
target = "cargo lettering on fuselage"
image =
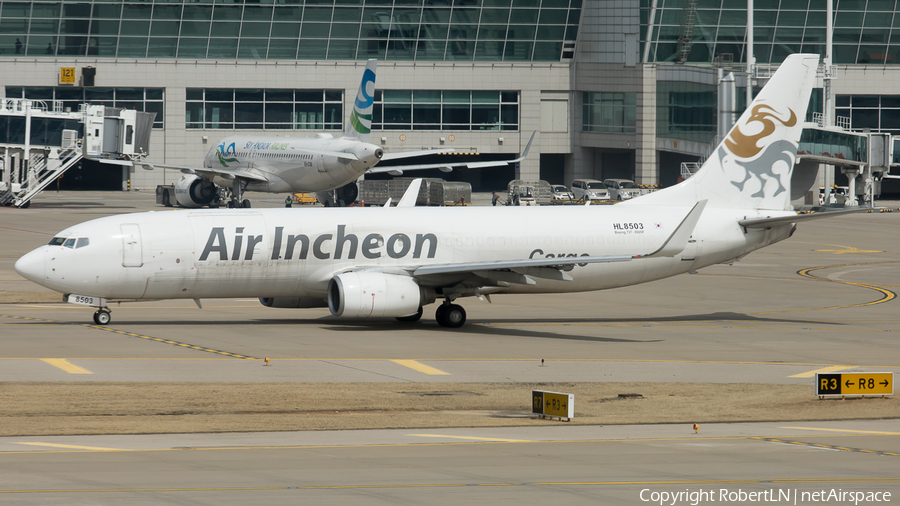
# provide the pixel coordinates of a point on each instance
(397, 245)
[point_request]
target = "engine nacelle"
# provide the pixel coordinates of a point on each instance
(292, 302)
(340, 197)
(375, 294)
(194, 191)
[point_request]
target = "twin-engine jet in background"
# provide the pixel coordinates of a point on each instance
(322, 164)
(390, 262)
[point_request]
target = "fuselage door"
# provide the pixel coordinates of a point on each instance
(131, 245)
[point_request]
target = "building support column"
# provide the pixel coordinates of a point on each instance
(646, 166)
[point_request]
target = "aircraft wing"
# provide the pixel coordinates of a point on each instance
(206, 172)
(783, 220)
(522, 270)
(398, 170)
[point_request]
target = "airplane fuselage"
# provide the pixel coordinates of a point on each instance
(295, 253)
(292, 164)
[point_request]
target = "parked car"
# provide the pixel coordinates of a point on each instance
(589, 189)
(622, 189)
(560, 192)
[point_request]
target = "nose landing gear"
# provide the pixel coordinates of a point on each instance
(102, 316)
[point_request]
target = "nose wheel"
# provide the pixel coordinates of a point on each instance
(450, 315)
(102, 317)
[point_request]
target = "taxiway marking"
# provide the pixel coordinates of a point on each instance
(880, 433)
(75, 447)
(64, 364)
(473, 438)
(810, 374)
(459, 485)
(422, 368)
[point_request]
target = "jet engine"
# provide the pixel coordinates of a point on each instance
(375, 294)
(340, 197)
(292, 302)
(194, 191)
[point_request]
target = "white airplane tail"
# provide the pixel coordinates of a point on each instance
(360, 123)
(751, 168)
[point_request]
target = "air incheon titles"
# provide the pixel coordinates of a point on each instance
(782, 495)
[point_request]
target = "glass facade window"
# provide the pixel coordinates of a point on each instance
(879, 113)
(469, 30)
(445, 110)
(258, 109)
(141, 99)
(865, 31)
(686, 111)
(609, 112)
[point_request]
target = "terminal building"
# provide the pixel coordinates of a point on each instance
(613, 88)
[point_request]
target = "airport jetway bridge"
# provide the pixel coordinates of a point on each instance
(864, 157)
(39, 141)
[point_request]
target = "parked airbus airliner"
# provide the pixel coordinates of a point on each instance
(301, 164)
(390, 262)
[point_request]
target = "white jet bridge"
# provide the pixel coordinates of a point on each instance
(39, 141)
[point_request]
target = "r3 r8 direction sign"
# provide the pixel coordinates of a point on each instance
(855, 383)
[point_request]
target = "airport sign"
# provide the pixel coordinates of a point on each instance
(550, 404)
(67, 75)
(855, 383)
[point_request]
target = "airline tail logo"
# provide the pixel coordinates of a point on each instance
(222, 152)
(745, 146)
(361, 118)
(767, 174)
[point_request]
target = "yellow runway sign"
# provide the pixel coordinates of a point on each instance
(855, 383)
(553, 404)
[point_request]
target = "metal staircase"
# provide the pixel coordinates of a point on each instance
(688, 169)
(688, 21)
(41, 173)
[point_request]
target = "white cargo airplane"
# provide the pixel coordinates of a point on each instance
(295, 164)
(389, 262)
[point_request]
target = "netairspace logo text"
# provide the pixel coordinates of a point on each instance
(779, 495)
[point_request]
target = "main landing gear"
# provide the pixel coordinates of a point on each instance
(450, 315)
(237, 200)
(102, 316)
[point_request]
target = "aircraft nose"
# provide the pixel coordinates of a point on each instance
(31, 266)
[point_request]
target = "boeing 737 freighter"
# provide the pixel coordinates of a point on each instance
(294, 164)
(390, 262)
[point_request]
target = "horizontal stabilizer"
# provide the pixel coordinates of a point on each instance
(411, 195)
(676, 242)
(794, 218)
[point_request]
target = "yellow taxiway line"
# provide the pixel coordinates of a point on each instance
(472, 438)
(74, 447)
(66, 366)
(851, 431)
(422, 368)
(810, 374)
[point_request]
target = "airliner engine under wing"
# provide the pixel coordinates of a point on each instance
(300, 164)
(390, 262)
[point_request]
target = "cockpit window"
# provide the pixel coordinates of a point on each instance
(82, 242)
(57, 241)
(70, 243)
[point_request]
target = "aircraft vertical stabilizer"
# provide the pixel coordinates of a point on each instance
(751, 168)
(360, 123)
